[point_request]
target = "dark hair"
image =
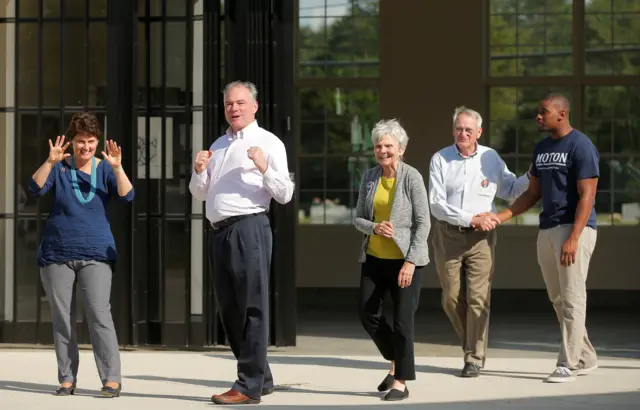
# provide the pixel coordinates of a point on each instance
(84, 123)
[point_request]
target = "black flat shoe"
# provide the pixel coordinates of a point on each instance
(65, 391)
(108, 391)
(386, 383)
(396, 395)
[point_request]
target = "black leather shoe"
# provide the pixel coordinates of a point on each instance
(108, 391)
(386, 383)
(396, 395)
(65, 391)
(470, 370)
(268, 390)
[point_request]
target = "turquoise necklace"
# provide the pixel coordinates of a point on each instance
(76, 187)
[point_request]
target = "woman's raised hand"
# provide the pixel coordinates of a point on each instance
(57, 151)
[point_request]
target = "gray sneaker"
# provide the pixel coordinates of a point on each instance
(561, 375)
(583, 369)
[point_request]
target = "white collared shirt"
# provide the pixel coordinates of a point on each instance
(461, 187)
(232, 185)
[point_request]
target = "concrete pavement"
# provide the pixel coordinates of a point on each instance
(175, 380)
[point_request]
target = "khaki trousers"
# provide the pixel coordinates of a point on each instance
(567, 290)
(464, 261)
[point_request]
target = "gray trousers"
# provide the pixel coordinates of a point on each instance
(94, 279)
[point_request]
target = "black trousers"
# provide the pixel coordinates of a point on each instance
(241, 260)
(394, 342)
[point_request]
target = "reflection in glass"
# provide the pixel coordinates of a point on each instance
(603, 206)
(27, 43)
(311, 173)
(51, 64)
(613, 117)
(338, 38)
(515, 130)
(530, 39)
(612, 35)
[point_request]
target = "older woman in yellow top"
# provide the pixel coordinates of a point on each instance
(393, 215)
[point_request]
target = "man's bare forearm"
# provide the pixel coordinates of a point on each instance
(583, 211)
(519, 206)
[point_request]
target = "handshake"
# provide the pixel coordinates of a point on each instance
(485, 221)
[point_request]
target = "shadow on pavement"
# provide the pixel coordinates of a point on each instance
(49, 389)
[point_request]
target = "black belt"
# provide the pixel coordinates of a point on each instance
(458, 228)
(227, 222)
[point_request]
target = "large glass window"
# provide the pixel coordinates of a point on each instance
(338, 48)
(533, 51)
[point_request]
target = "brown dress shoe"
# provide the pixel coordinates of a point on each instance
(233, 397)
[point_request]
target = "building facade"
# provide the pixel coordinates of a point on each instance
(326, 71)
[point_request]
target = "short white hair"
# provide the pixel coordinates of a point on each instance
(389, 127)
(246, 84)
(468, 111)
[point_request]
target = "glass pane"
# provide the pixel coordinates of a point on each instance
(27, 43)
(98, 8)
(512, 126)
(338, 40)
(51, 59)
(612, 114)
(28, 8)
(604, 215)
(612, 34)
(530, 38)
(312, 137)
(27, 278)
(73, 8)
(310, 207)
(338, 175)
(177, 257)
(625, 174)
(626, 207)
(339, 207)
(178, 161)
(74, 63)
(176, 63)
(97, 64)
(311, 173)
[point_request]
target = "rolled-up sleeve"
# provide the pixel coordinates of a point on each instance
(440, 208)
(276, 178)
(420, 204)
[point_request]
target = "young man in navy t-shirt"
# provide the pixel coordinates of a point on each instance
(564, 175)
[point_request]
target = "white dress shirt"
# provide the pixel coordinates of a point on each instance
(232, 185)
(461, 187)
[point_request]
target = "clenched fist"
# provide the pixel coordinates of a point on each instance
(203, 158)
(257, 156)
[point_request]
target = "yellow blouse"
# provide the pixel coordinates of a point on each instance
(379, 246)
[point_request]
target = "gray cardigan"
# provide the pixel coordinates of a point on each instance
(409, 212)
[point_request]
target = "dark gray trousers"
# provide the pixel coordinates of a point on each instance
(94, 279)
(241, 259)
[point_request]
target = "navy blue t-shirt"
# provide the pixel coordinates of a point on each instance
(75, 231)
(560, 164)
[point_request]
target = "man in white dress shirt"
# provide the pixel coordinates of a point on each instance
(237, 177)
(464, 179)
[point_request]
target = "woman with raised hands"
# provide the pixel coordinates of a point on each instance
(78, 246)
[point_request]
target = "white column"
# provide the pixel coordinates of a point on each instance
(197, 267)
(7, 171)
